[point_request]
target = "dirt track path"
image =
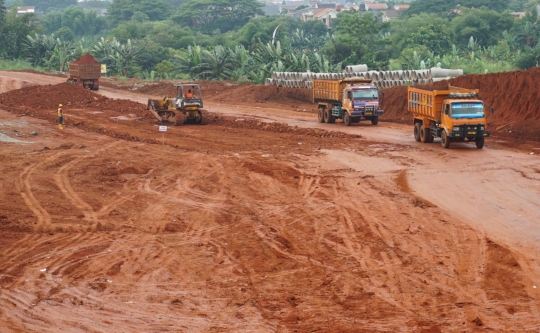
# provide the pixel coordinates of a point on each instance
(247, 236)
(496, 191)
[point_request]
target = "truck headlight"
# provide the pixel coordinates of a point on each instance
(482, 128)
(456, 129)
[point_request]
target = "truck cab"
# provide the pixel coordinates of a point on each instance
(463, 119)
(349, 99)
(452, 114)
(362, 101)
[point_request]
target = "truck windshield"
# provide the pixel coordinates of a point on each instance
(365, 95)
(467, 110)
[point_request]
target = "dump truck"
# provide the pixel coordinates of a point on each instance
(85, 71)
(184, 108)
(450, 113)
(350, 99)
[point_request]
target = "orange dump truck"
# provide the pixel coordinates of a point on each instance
(452, 114)
(350, 99)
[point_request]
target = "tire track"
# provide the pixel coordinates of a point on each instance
(61, 178)
(24, 187)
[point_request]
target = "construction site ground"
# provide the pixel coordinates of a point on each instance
(262, 220)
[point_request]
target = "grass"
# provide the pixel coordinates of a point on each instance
(14, 65)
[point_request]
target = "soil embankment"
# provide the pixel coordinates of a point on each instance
(514, 96)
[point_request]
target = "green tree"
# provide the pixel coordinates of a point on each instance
(123, 10)
(39, 49)
(209, 15)
(403, 28)
(358, 40)
(431, 6)
(434, 37)
(530, 57)
(164, 68)
(517, 5)
(2, 14)
(64, 34)
(484, 25)
(15, 30)
(80, 22)
(497, 5)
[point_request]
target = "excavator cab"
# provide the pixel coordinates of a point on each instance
(186, 107)
(189, 91)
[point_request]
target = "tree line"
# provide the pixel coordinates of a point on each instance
(232, 39)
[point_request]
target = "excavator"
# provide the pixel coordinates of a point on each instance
(186, 107)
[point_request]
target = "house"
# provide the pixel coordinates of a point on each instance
(298, 14)
(26, 10)
(401, 7)
(352, 7)
(271, 9)
(374, 6)
(390, 14)
(518, 15)
(326, 15)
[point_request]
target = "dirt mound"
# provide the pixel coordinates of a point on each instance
(86, 59)
(513, 95)
(251, 123)
(30, 99)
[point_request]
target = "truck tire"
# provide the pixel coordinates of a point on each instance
(320, 115)
(374, 120)
(422, 134)
(425, 134)
(431, 137)
(347, 119)
(445, 140)
(479, 142)
(330, 119)
(417, 131)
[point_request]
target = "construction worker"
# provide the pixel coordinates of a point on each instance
(189, 94)
(60, 117)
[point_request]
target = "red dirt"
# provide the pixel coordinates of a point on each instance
(86, 59)
(514, 96)
(226, 92)
(239, 225)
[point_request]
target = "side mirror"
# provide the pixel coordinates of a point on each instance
(492, 110)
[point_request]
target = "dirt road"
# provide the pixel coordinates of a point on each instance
(250, 226)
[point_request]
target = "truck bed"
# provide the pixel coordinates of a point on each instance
(85, 71)
(332, 90)
(427, 103)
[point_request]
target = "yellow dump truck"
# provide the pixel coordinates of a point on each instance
(350, 99)
(452, 114)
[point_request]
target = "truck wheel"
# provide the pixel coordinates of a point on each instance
(329, 118)
(431, 137)
(374, 120)
(422, 134)
(445, 140)
(417, 131)
(479, 143)
(320, 115)
(347, 119)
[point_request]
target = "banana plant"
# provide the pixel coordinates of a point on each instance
(62, 55)
(39, 48)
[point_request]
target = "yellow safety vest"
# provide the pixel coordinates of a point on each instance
(59, 112)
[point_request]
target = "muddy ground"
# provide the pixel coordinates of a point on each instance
(248, 224)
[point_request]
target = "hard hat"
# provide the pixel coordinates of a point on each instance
(60, 105)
